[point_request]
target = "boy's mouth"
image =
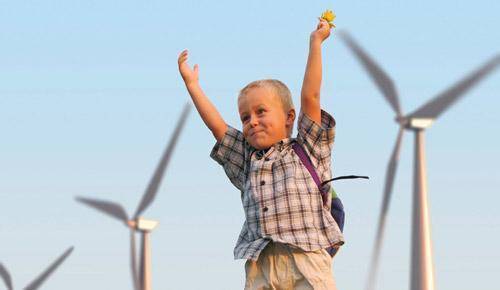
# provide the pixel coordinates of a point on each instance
(255, 132)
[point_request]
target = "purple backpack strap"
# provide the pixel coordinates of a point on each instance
(336, 209)
(307, 163)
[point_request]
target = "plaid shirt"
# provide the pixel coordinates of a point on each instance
(282, 203)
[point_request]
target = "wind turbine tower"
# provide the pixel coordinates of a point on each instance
(141, 277)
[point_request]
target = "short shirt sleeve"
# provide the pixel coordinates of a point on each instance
(231, 152)
(317, 139)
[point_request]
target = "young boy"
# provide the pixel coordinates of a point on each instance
(287, 226)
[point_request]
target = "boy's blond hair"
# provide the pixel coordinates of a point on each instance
(278, 87)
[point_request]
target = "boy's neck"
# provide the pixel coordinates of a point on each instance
(278, 146)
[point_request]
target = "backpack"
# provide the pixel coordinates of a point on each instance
(336, 208)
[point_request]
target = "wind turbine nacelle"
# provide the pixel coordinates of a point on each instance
(146, 225)
(419, 123)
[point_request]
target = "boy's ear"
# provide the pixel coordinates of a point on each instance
(290, 117)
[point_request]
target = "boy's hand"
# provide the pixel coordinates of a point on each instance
(322, 31)
(190, 76)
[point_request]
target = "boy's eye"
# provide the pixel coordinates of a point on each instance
(244, 119)
(261, 111)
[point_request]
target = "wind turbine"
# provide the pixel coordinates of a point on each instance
(141, 280)
(422, 272)
(35, 284)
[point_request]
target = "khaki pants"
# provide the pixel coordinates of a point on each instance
(281, 267)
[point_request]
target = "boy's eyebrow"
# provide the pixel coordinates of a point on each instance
(259, 106)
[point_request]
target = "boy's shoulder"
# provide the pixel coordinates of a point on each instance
(327, 120)
(308, 130)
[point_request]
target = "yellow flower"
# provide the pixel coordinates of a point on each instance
(329, 16)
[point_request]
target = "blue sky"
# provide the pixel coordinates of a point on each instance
(90, 93)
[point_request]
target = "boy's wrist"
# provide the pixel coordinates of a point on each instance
(315, 40)
(192, 84)
(315, 45)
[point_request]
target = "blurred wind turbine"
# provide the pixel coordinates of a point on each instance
(35, 284)
(141, 278)
(422, 272)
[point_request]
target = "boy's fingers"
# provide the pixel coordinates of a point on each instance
(183, 53)
(183, 64)
(323, 22)
(196, 68)
(182, 58)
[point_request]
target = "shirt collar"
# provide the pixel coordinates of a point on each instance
(278, 147)
(281, 145)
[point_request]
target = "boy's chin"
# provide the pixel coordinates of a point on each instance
(259, 145)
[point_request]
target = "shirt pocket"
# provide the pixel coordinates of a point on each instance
(283, 172)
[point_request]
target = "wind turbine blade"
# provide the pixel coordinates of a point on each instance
(133, 261)
(110, 208)
(45, 274)
(443, 101)
(154, 184)
(381, 79)
(5, 277)
(389, 182)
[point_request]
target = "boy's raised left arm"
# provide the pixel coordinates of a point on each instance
(311, 86)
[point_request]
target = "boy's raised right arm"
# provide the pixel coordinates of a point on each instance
(206, 109)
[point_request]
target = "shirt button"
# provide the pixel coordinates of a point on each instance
(262, 182)
(265, 209)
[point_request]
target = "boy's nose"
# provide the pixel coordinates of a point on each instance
(254, 121)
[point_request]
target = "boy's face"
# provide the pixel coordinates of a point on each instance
(263, 117)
